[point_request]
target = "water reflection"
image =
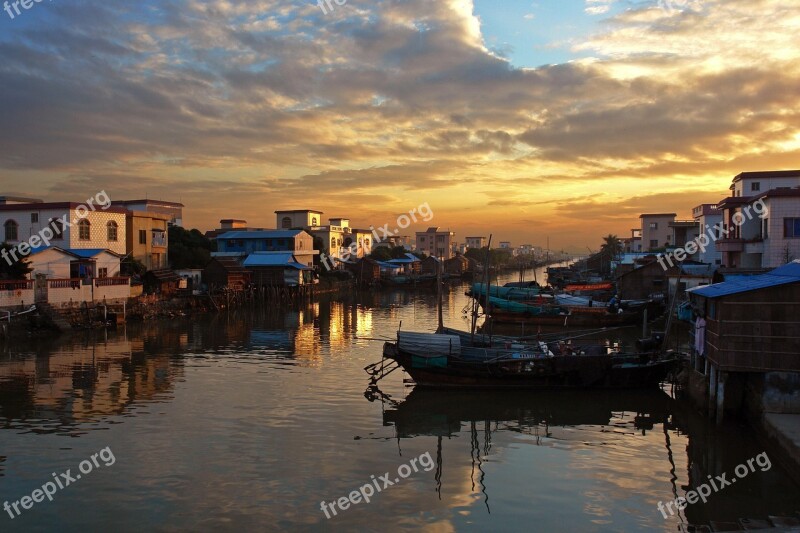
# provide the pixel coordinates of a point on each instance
(266, 401)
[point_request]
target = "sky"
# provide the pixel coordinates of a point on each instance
(560, 119)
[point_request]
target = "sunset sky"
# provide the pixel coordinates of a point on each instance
(559, 118)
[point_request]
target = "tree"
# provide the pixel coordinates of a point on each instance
(130, 266)
(381, 253)
(610, 251)
(188, 248)
(11, 269)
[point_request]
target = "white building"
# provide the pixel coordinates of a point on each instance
(707, 216)
(297, 219)
(71, 224)
(476, 242)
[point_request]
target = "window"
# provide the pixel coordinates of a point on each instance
(84, 230)
(112, 230)
(791, 228)
(422, 239)
(11, 230)
(58, 228)
(654, 225)
(653, 243)
(313, 221)
(286, 223)
(333, 243)
(34, 218)
(765, 229)
(159, 237)
(755, 186)
(102, 272)
(143, 236)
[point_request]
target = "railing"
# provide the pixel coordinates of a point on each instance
(72, 283)
(108, 282)
(16, 285)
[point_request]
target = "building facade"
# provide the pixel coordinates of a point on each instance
(656, 231)
(476, 242)
(436, 242)
(147, 238)
(72, 225)
(245, 243)
(298, 218)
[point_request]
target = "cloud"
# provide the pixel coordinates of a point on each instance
(232, 106)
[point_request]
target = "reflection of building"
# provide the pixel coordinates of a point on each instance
(78, 384)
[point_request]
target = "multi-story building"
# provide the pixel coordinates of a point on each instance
(750, 184)
(633, 244)
(147, 237)
(298, 218)
(656, 230)
(761, 232)
(436, 243)
(244, 243)
(341, 240)
(72, 225)
(476, 242)
(707, 216)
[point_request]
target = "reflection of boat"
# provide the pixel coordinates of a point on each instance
(438, 360)
(442, 413)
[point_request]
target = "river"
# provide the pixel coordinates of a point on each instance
(249, 420)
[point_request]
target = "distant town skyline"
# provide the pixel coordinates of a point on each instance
(519, 119)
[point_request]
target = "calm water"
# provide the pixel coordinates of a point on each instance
(247, 421)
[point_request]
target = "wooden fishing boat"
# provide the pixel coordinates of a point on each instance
(439, 360)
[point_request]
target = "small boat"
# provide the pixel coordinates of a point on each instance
(440, 360)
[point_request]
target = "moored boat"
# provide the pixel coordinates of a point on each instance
(440, 360)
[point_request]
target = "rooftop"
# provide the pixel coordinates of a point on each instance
(264, 234)
(149, 201)
(764, 174)
(789, 273)
(658, 215)
(299, 211)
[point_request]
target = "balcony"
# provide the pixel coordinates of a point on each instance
(748, 246)
(730, 245)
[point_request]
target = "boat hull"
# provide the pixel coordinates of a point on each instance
(555, 373)
(596, 317)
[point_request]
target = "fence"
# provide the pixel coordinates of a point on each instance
(16, 293)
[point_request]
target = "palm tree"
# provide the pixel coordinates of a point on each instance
(611, 249)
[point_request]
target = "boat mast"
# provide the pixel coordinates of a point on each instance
(439, 265)
(488, 307)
